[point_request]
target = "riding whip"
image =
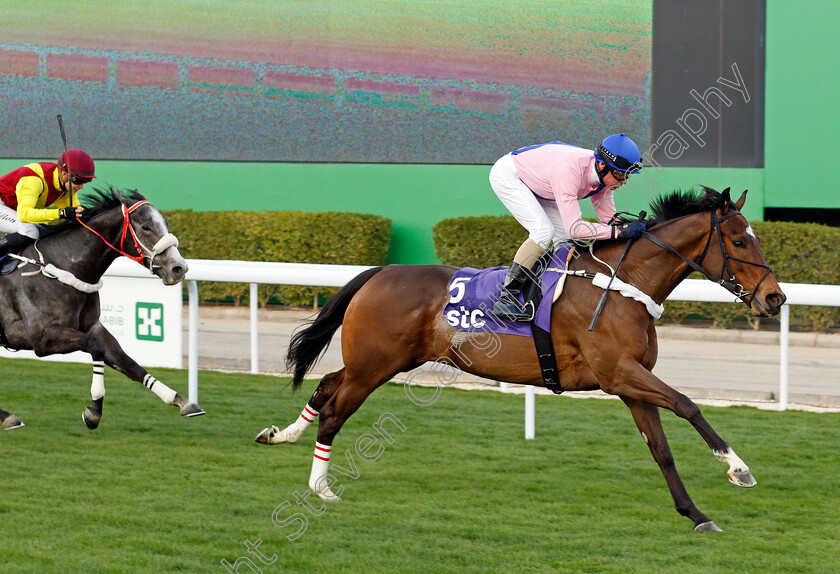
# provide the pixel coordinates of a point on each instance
(66, 159)
(603, 300)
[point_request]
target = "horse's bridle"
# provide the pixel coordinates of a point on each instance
(730, 285)
(143, 252)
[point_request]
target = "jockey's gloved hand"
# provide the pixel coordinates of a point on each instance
(632, 230)
(67, 213)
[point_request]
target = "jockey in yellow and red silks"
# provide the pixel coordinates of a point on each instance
(40, 193)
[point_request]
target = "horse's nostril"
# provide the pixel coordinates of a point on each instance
(775, 300)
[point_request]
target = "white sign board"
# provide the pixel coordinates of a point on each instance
(145, 317)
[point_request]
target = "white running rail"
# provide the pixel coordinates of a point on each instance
(255, 273)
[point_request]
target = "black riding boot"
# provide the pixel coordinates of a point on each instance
(12, 242)
(508, 306)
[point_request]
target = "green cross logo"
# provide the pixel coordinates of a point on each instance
(149, 321)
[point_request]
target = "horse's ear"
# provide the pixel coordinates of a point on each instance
(118, 196)
(125, 198)
(742, 200)
(724, 197)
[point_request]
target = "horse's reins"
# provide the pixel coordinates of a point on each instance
(730, 285)
(164, 243)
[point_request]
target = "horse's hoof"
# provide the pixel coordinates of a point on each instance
(267, 435)
(707, 527)
(742, 478)
(272, 435)
(12, 422)
(191, 410)
(91, 418)
(326, 496)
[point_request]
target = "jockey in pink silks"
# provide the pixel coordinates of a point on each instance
(541, 185)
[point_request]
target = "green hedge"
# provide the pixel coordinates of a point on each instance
(797, 252)
(480, 242)
(287, 236)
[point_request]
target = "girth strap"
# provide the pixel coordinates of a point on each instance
(548, 362)
(544, 346)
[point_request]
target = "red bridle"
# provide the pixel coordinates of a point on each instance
(126, 228)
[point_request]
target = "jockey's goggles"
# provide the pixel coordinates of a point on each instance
(76, 180)
(621, 175)
(624, 173)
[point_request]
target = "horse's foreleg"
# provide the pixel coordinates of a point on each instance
(116, 358)
(647, 419)
(273, 435)
(93, 413)
(59, 340)
(8, 421)
(639, 383)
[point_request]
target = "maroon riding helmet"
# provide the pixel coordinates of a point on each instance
(78, 163)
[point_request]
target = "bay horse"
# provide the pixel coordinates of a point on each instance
(55, 308)
(392, 321)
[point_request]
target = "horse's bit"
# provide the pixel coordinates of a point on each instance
(730, 285)
(143, 252)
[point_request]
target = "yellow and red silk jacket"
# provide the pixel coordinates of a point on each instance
(31, 189)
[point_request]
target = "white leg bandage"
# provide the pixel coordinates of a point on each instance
(318, 477)
(308, 415)
(166, 394)
(295, 430)
(97, 385)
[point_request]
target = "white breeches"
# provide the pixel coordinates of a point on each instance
(539, 216)
(9, 223)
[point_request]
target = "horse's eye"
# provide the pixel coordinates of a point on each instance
(739, 243)
(145, 228)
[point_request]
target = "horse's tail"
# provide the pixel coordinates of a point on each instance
(309, 344)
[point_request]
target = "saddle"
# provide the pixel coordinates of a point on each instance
(474, 291)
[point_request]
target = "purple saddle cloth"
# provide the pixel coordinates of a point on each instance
(472, 293)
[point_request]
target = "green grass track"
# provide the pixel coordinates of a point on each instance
(459, 490)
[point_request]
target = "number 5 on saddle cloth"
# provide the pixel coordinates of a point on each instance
(472, 293)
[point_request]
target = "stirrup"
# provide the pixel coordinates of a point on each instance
(514, 312)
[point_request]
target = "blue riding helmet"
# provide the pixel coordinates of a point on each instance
(619, 152)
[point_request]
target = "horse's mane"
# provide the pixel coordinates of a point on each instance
(676, 204)
(96, 201)
(680, 203)
(100, 200)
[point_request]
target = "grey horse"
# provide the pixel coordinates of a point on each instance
(55, 309)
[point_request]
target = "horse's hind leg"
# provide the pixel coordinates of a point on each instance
(116, 358)
(340, 406)
(8, 421)
(273, 435)
(93, 413)
(647, 419)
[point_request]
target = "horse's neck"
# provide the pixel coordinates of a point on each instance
(650, 268)
(658, 272)
(80, 252)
